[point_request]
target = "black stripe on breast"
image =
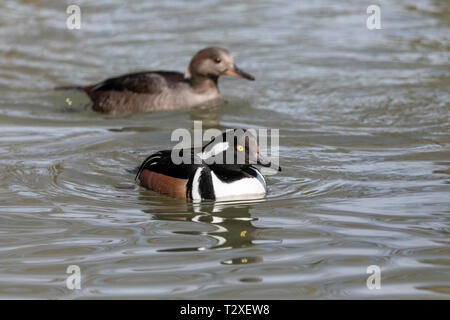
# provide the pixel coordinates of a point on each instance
(251, 170)
(189, 187)
(254, 172)
(206, 187)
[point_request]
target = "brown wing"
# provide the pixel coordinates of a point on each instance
(161, 183)
(152, 82)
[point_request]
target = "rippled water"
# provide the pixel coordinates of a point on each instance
(364, 145)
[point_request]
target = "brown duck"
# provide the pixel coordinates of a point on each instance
(164, 90)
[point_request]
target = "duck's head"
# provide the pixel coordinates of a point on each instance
(214, 62)
(235, 150)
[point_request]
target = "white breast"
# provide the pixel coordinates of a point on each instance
(196, 184)
(243, 188)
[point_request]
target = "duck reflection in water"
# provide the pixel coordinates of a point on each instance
(232, 227)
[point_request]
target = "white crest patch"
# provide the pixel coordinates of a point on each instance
(218, 148)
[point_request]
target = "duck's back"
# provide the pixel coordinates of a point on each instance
(134, 92)
(149, 82)
(145, 92)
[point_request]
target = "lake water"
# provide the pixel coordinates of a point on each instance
(364, 146)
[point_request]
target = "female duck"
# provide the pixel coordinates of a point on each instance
(222, 169)
(164, 90)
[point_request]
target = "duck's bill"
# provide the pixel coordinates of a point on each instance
(235, 71)
(263, 162)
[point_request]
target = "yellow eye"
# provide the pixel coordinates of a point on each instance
(240, 148)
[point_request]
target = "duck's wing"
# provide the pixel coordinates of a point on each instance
(150, 82)
(161, 162)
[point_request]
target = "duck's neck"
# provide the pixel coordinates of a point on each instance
(204, 84)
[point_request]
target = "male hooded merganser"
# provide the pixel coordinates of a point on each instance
(164, 90)
(223, 168)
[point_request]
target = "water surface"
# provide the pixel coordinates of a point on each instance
(364, 145)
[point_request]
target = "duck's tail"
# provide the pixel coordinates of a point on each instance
(79, 88)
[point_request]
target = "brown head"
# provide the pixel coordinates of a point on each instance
(212, 63)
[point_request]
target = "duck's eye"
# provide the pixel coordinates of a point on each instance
(240, 148)
(217, 60)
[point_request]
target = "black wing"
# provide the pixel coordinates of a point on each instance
(161, 162)
(150, 82)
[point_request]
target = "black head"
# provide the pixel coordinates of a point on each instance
(234, 150)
